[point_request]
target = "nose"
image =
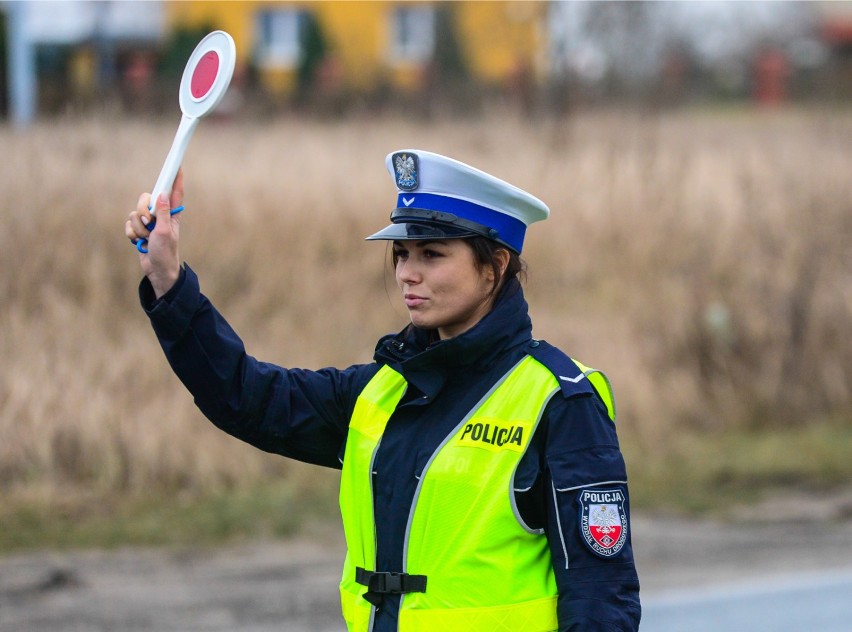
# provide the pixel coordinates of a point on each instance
(407, 272)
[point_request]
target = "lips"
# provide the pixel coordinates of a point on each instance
(413, 300)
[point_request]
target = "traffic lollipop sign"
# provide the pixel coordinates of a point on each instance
(204, 82)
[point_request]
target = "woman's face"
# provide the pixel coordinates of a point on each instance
(442, 286)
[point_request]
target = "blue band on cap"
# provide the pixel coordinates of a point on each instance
(510, 230)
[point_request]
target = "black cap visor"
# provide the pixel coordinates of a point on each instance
(418, 224)
(408, 231)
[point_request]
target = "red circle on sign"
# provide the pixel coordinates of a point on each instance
(204, 75)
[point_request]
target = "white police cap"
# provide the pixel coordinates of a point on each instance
(442, 198)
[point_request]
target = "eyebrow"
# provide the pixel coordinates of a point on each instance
(420, 243)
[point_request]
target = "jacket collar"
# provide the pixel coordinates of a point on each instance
(427, 362)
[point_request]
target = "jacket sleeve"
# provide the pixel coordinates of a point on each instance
(296, 413)
(586, 475)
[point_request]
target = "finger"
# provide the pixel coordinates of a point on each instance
(130, 232)
(135, 227)
(142, 206)
(164, 218)
(177, 190)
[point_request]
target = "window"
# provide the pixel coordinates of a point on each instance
(413, 34)
(279, 42)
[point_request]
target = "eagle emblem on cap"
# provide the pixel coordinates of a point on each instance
(407, 171)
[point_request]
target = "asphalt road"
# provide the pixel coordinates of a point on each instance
(695, 576)
(814, 601)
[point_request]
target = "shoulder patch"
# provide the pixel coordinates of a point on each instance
(571, 378)
(603, 520)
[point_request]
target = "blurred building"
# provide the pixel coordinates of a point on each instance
(73, 51)
(425, 53)
(92, 50)
(835, 29)
(362, 47)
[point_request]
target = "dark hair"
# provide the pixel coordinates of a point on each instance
(484, 250)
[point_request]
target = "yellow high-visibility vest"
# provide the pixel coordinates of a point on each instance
(485, 569)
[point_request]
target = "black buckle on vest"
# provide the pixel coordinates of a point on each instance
(390, 583)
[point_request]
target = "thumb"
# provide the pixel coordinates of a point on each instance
(164, 218)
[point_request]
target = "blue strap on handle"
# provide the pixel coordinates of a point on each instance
(140, 243)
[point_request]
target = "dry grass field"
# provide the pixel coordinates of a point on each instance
(701, 259)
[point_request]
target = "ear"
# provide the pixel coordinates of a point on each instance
(501, 256)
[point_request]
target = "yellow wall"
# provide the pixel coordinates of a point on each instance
(237, 18)
(499, 36)
(357, 33)
(495, 36)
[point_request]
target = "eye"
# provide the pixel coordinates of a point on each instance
(428, 253)
(400, 254)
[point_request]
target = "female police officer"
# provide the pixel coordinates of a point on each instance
(482, 485)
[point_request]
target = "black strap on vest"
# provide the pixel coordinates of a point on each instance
(393, 583)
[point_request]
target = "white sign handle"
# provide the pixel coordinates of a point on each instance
(174, 158)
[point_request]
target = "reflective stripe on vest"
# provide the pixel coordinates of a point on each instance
(373, 408)
(486, 570)
(602, 387)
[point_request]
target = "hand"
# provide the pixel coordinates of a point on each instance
(161, 264)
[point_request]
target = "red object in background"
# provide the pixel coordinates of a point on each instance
(139, 71)
(771, 71)
(837, 33)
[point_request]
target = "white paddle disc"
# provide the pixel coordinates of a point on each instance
(207, 74)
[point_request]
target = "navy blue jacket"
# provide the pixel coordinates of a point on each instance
(305, 415)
